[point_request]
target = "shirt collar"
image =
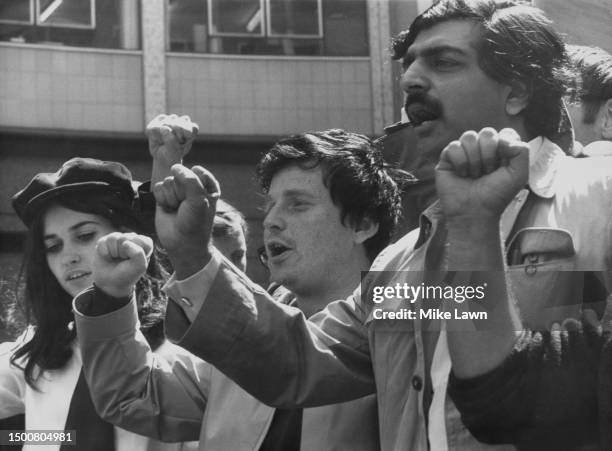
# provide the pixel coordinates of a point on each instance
(428, 220)
(544, 159)
(598, 149)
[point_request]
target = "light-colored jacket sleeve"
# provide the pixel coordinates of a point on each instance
(12, 382)
(132, 387)
(271, 350)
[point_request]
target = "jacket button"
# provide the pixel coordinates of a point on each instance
(417, 383)
(531, 270)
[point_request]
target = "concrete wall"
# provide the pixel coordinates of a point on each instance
(270, 96)
(70, 89)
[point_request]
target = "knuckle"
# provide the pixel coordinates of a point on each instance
(509, 134)
(487, 134)
(114, 236)
(469, 136)
(453, 146)
(488, 131)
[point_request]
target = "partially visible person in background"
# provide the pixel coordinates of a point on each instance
(66, 212)
(230, 233)
(589, 101)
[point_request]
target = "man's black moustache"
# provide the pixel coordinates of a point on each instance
(422, 98)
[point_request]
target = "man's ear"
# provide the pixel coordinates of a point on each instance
(364, 230)
(606, 120)
(517, 98)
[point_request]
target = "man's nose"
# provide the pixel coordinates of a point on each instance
(274, 219)
(415, 78)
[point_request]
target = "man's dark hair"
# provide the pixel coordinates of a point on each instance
(359, 181)
(592, 82)
(518, 44)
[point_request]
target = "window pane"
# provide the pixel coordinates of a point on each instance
(187, 27)
(65, 13)
(15, 11)
(116, 26)
(345, 26)
(237, 17)
(294, 17)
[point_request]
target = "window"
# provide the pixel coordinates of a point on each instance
(65, 13)
(79, 23)
(16, 11)
(294, 18)
(268, 27)
(236, 17)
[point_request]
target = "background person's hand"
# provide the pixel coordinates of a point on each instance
(120, 260)
(170, 138)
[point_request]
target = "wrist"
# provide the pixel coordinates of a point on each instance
(166, 161)
(112, 294)
(473, 226)
(186, 264)
(475, 246)
(115, 291)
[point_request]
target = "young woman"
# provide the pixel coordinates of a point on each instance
(40, 374)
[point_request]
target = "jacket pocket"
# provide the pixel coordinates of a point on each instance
(542, 276)
(538, 245)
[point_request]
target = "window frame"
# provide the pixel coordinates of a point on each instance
(215, 34)
(91, 26)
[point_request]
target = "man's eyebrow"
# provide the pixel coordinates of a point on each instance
(435, 50)
(296, 192)
(287, 194)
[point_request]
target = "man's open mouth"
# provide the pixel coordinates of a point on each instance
(275, 249)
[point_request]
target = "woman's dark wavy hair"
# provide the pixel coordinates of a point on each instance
(48, 307)
(518, 44)
(358, 179)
